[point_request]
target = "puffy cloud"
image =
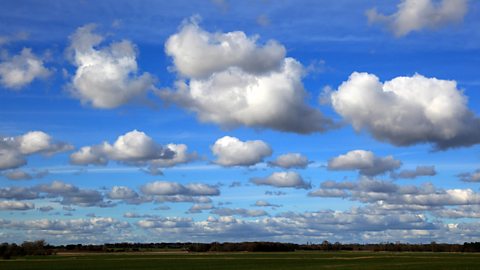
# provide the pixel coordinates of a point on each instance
(135, 148)
(283, 180)
(391, 196)
(17, 175)
(232, 81)
(415, 15)
(14, 150)
(470, 177)
(198, 54)
(92, 230)
(163, 188)
(262, 203)
(365, 162)
(16, 205)
(419, 171)
(198, 208)
(408, 110)
(230, 151)
(72, 195)
(18, 193)
(329, 193)
(291, 160)
(122, 193)
(181, 156)
(239, 212)
(22, 175)
(21, 69)
(105, 77)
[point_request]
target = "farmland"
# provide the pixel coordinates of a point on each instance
(246, 260)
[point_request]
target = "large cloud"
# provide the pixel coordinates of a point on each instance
(21, 69)
(15, 150)
(230, 151)
(408, 110)
(415, 15)
(136, 148)
(365, 162)
(387, 195)
(232, 81)
(283, 180)
(106, 77)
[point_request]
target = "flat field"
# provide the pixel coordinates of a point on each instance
(250, 261)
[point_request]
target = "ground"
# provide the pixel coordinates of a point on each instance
(278, 261)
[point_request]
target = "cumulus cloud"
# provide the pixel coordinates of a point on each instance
(106, 77)
(283, 180)
(72, 195)
(20, 70)
(122, 193)
(416, 15)
(470, 177)
(16, 205)
(233, 81)
(388, 195)
(135, 148)
(91, 230)
(419, 171)
(408, 110)
(262, 203)
(199, 208)
(365, 162)
(23, 175)
(230, 151)
(290, 161)
(15, 150)
(164, 188)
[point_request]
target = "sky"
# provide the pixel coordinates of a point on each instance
(201, 121)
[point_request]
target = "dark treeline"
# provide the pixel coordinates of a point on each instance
(26, 248)
(40, 247)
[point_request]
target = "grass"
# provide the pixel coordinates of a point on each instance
(240, 261)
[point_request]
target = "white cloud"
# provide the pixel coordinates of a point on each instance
(14, 150)
(419, 171)
(164, 188)
(232, 81)
(16, 205)
(135, 148)
(416, 15)
(283, 180)
(198, 54)
(22, 175)
(21, 69)
(291, 160)
(408, 110)
(365, 162)
(230, 151)
(106, 77)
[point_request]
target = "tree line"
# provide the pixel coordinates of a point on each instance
(41, 248)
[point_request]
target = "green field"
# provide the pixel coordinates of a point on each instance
(278, 261)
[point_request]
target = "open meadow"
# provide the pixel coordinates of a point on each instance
(239, 261)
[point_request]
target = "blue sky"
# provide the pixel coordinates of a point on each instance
(351, 121)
